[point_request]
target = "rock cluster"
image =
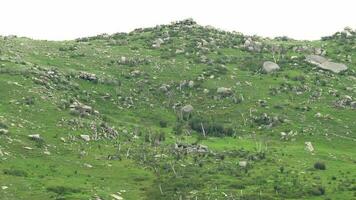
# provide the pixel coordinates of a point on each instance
(88, 76)
(190, 148)
(82, 109)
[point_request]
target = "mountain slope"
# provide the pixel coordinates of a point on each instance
(177, 111)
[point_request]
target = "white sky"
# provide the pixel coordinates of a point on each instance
(69, 19)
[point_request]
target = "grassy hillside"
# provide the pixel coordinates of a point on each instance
(177, 111)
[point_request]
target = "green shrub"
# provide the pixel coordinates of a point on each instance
(319, 166)
(210, 128)
(62, 190)
(163, 123)
(15, 172)
(317, 190)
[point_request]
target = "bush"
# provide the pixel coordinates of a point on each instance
(210, 128)
(163, 123)
(319, 166)
(178, 128)
(317, 191)
(62, 190)
(15, 172)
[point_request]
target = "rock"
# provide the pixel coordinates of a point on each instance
(269, 67)
(190, 148)
(253, 46)
(4, 187)
(46, 152)
(135, 73)
(88, 165)
(191, 84)
(3, 131)
(353, 105)
(243, 164)
(85, 137)
(35, 137)
(187, 109)
(157, 43)
(82, 109)
(345, 101)
(117, 197)
(164, 88)
(318, 115)
(334, 67)
(315, 59)
(224, 91)
(88, 76)
(309, 146)
(324, 63)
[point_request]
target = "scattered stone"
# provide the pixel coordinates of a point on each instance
(157, 43)
(88, 165)
(4, 187)
(135, 73)
(164, 88)
(187, 109)
(243, 164)
(3, 131)
(117, 197)
(88, 76)
(46, 152)
(35, 137)
(353, 105)
(269, 67)
(85, 137)
(253, 46)
(309, 146)
(345, 102)
(82, 109)
(223, 91)
(190, 148)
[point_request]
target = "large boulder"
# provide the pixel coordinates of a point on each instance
(269, 67)
(324, 63)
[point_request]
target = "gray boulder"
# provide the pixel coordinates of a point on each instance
(324, 63)
(269, 67)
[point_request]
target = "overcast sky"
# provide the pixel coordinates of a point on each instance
(70, 19)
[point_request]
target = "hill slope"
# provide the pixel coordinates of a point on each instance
(178, 111)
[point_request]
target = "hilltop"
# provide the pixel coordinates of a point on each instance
(178, 111)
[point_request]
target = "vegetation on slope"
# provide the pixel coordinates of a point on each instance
(177, 111)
